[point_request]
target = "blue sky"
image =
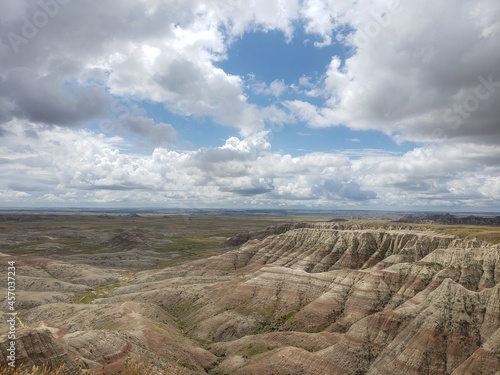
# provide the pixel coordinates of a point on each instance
(265, 56)
(269, 55)
(312, 104)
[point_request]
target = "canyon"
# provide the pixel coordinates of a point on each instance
(301, 297)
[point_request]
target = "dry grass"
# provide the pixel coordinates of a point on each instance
(132, 367)
(191, 236)
(35, 370)
(488, 233)
(136, 367)
(479, 232)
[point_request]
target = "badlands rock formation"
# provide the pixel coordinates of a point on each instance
(302, 298)
(449, 219)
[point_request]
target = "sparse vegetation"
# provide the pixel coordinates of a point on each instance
(255, 349)
(135, 366)
(481, 233)
(175, 238)
(131, 367)
(102, 291)
(35, 370)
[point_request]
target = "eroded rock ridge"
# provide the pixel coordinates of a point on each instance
(299, 298)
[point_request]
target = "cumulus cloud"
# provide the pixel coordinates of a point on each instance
(143, 128)
(416, 71)
(250, 186)
(79, 166)
(408, 73)
(412, 75)
(48, 99)
(332, 189)
(163, 51)
(276, 88)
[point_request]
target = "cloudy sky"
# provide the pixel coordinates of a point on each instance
(250, 104)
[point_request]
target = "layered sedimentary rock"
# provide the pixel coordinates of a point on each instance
(449, 219)
(386, 297)
(302, 298)
(325, 247)
(100, 338)
(38, 346)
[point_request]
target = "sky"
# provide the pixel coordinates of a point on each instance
(318, 104)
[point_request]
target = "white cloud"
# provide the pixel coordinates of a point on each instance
(163, 51)
(275, 88)
(420, 71)
(80, 167)
(261, 14)
(140, 129)
(413, 75)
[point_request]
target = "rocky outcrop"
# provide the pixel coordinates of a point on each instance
(449, 219)
(387, 297)
(37, 347)
(327, 246)
(323, 249)
(300, 298)
(126, 240)
(241, 238)
(102, 337)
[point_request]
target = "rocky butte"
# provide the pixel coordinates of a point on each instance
(302, 298)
